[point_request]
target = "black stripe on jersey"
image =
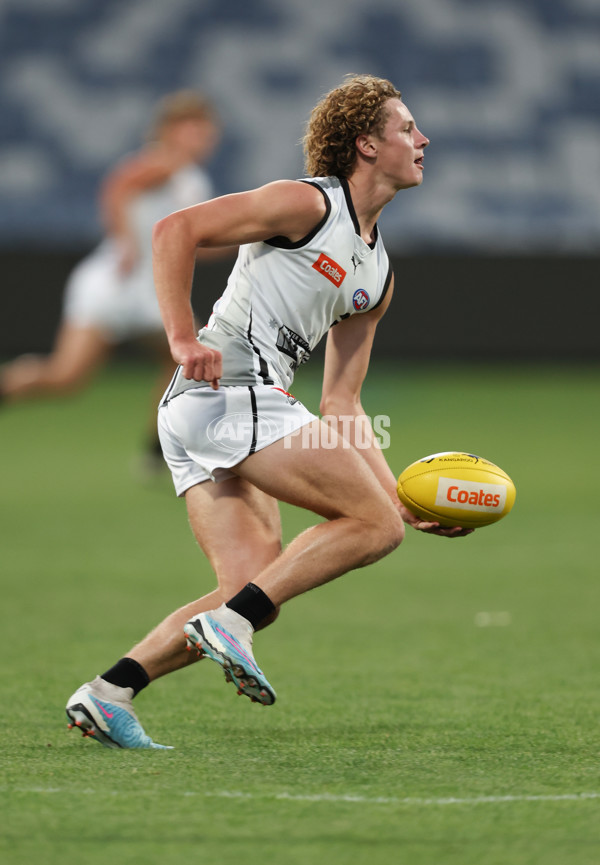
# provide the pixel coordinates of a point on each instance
(352, 211)
(263, 367)
(341, 318)
(388, 282)
(282, 242)
(254, 420)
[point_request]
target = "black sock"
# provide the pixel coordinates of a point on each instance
(127, 673)
(252, 604)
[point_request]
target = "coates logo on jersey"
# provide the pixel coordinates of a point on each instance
(330, 269)
(360, 299)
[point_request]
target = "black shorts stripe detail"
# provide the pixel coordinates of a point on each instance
(254, 420)
(263, 368)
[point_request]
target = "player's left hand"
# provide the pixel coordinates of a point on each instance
(432, 528)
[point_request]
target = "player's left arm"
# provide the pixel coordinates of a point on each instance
(347, 356)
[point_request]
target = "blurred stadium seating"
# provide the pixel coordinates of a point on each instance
(508, 91)
(500, 242)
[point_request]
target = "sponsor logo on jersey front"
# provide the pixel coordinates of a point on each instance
(470, 495)
(330, 269)
(360, 299)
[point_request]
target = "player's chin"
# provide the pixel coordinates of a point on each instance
(416, 179)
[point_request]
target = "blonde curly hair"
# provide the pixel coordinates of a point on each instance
(355, 108)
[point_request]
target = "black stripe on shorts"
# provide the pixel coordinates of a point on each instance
(254, 420)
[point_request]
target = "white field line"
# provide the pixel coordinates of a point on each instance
(414, 801)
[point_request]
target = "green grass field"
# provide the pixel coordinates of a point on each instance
(438, 708)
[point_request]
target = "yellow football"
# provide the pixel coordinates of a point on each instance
(456, 489)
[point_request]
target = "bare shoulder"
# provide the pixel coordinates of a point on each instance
(283, 208)
(296, 207)
(290, 194)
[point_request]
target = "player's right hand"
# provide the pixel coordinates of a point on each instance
(198, 362)
(432, 528)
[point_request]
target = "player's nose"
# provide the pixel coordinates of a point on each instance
(421, 140)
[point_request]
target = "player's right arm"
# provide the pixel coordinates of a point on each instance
(285, 208)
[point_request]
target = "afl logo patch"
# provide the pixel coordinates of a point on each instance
(360, 299)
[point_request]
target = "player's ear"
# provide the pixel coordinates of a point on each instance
(366, 146)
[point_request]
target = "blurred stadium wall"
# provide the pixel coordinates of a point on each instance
(495, 255)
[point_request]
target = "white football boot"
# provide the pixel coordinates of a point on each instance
(226, 637)
(105, 712)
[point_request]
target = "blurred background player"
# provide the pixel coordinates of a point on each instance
(109, 296)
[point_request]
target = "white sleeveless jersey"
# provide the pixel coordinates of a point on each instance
(282, 297)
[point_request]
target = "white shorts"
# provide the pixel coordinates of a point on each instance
(205, 432)
(96, 295)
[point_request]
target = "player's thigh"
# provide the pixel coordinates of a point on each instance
(318, 470)
(237, 526)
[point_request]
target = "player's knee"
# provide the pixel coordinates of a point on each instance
(394, 531)
(388, 533)
(398, 529)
